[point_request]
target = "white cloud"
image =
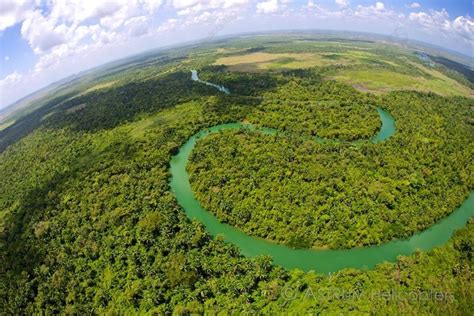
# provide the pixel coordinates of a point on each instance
(438, 22)
(13, 12)
(77, 11)
(137, 26)
(182, 4)
(192, 7)
(10, 80)
(464, 27)
(432, 21)
(73, 26)
(42, 33)
(65, 30)
(190, 10)
(117, 18)
(168, 25)
(342, 3)
(270, 6)
(212, 15)
(6, 58)
(234, 3)
(376, 11)
(379, 6)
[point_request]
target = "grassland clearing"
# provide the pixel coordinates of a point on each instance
(381, 81)
(273, 61)
(76, 108)
(162, 119)
(262, 61)
(6, 124)
(100, 86)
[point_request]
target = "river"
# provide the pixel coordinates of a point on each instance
(326, 260)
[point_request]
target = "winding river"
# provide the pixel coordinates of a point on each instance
(195, 77)
(325, 260)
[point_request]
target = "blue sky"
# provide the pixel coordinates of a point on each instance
(15, 53)
(42, 41)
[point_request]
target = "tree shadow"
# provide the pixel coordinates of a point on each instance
(106, 109)
(21, 252)
(26, 246)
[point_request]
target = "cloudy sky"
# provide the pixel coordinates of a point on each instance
(42, 41)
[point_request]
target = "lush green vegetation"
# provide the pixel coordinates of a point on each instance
(339, 195)
(88, 225)
(367, 65)
(308, 105)
(455, 67)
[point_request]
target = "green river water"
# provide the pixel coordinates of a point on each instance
(325, 260)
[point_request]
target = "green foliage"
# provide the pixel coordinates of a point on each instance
(339, 195)
(88, 225)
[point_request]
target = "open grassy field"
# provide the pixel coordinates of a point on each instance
(377, 67)
(6, 124)
(137, 130)
(260, 61)
(380, 81)
(100, 86)
(76, 108)
(373, 79)
(264, 61)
